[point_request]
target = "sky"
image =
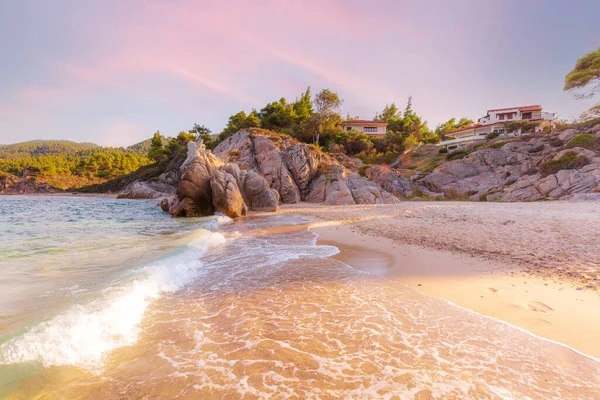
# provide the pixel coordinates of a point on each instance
(113, 72)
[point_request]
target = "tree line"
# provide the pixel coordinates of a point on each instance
(48, 159)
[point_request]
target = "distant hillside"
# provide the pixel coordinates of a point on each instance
(144, 146)
(43, 147)
(68, 165)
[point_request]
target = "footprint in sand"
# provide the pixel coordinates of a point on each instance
(538, 306)
(499, 288)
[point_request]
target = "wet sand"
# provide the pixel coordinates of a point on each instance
(547, 304)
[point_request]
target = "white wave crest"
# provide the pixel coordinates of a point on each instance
(84, 334)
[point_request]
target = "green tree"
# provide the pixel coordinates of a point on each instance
(327, 103)
(278, 115)
(410, 141)
(390, 113)
(239, 121)
(356, 142)
(586, 72)
(304, 107)
(200, 131)
(156, 147)
(451, 125)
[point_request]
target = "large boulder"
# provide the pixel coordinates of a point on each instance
(226, 196)
(303, 162)
(257, 193)
(272, 167)
(237, 148)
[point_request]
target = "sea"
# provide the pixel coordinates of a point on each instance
(113, 299)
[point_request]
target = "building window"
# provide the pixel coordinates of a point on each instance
(510, 116)
(370, 129)
(500, 117)
(348, 129)
(526, 115)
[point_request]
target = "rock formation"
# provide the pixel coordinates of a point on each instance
(256, 169)
(525, 168)
(300, 172)
(209, 185)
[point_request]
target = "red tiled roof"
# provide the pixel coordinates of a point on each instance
(522, 108)
(363, 121)
(463, 129)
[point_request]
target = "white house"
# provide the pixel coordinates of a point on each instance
(371, 128)
(494, 121)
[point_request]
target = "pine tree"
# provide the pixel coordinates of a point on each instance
(156, 147)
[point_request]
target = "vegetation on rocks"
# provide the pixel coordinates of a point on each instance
(457, 155)
(569, 160)
(584, 140)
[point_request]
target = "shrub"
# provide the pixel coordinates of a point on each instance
(569, 160)
(443, 150)
(457, 155)
(584, 140)
(493, 135)
(357, 142)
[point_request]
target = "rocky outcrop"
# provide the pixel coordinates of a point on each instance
(524, 168)
(209, 185)
(300, 172)
(146, 190)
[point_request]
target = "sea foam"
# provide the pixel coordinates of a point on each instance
(84, 334)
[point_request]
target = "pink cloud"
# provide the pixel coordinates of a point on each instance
(40, 93)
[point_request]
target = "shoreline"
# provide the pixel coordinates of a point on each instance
(62, 194)
(547, 306)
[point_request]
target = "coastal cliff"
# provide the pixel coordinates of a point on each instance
(257, 169)
(522, 168)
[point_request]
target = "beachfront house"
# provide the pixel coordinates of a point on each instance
(371, 128)
(495, 121)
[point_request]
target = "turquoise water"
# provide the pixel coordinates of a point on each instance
(59, 250)
(105, 298)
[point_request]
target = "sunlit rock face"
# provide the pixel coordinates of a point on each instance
(299, 171)
(209, 185)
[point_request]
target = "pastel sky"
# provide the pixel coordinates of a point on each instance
(115, 71)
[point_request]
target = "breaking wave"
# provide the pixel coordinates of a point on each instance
(84, 334)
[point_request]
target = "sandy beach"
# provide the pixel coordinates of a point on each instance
(533, 265)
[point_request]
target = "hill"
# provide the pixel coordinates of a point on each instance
(62, 164)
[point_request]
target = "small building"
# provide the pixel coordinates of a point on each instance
(531, 113)
(494, 122)
(371, 128)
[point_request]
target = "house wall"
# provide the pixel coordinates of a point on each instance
(458, 135)
(381, 129)
(518, 115)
